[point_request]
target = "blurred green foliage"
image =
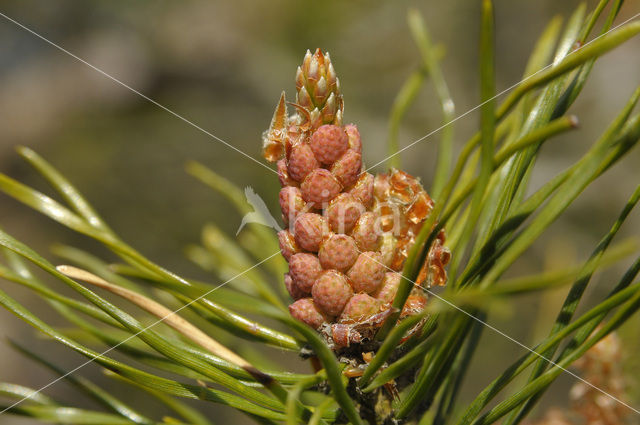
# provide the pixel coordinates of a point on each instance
(222, 65)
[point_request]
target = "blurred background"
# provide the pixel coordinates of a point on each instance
(222, 66)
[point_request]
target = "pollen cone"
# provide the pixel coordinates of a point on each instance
(348, 232)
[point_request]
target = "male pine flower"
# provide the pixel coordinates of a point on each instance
(349, 232)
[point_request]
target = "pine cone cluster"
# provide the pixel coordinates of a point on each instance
(348, 232)
(601, 366)
(592, 400)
